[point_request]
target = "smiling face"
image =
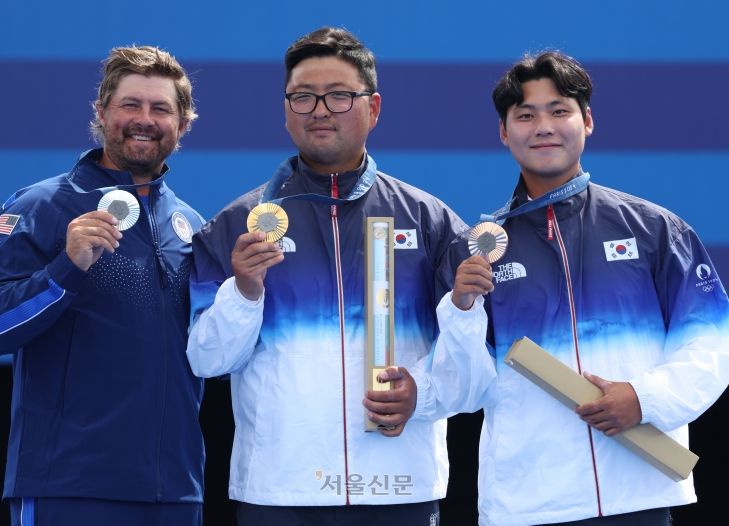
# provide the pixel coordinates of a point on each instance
(330, 142)
(546, 135)
(141, 125)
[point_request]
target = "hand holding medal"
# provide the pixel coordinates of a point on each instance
(487, 242)
(255, 252)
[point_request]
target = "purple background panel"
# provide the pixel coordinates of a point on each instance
(426, 106)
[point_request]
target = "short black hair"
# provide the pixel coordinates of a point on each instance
(568, 76)
(334, 42)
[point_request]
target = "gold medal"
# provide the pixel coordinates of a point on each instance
(268, 218)
(488, 240)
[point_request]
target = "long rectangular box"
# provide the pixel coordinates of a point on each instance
(379, 253)
(567, 386)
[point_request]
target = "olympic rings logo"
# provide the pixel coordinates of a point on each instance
(708, 288)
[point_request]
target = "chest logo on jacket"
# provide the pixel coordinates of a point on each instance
(621, 249)
(406, 239)
(509, 271)
(287, 244)
(182, 227)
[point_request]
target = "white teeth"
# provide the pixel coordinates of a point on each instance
(141, 138)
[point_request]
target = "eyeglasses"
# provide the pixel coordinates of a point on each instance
(335, 101)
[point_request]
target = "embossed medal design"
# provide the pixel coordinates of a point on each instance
(488, 240)
(122, 205)
(269, 218)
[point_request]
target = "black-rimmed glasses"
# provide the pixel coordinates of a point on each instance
(335, 101)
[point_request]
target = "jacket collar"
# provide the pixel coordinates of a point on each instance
(90, 175)
(563, 209)
(321, 184)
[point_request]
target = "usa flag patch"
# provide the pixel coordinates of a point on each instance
(7, 223)
(621, 249)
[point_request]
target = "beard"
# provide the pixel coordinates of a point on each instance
(141, 158)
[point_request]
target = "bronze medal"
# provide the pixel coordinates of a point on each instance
(488, 240)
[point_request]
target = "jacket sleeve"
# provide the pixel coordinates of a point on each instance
(696, 311)
(460, 374)
(37, 279)
(458, 371)
(225, 326)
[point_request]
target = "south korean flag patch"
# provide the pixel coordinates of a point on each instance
(8, 223)
(405, 239)
(621, 249)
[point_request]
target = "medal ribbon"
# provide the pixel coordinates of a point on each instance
(108, 189)
(284, 171)
(570, 188)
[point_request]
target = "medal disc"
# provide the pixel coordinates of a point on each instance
(121, 205)
(488, 240)
(270, 219)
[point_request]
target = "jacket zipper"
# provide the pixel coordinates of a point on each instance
(163, 284)
(553, 228)
(340, 299)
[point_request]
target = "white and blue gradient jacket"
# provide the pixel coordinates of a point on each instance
(659, 321)
(296, 357)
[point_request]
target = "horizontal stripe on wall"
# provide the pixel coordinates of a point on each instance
(426, 106)
(688, 184)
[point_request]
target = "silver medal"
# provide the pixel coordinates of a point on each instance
(122, 205)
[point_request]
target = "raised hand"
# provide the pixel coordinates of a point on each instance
(89, 235)
(473, 278)
(251, 259)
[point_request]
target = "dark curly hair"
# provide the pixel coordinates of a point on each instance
(568, 76)
(333, 42)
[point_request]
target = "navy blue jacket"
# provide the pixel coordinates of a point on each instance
(104, 402)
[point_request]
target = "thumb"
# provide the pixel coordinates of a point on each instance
(599, 382)
(391, 373)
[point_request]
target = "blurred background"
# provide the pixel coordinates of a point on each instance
(660, 104)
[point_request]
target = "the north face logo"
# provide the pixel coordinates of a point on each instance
(509, 271)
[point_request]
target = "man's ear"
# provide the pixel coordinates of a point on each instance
(375, 107)
(589, 123)
(502, 133)
(182, 129)
(100, 114)
(286, 121)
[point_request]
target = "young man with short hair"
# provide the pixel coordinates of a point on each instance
(617, 288)
(286, 319)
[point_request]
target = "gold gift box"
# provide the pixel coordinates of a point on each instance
(567, 386)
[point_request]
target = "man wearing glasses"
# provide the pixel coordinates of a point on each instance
(285, 319)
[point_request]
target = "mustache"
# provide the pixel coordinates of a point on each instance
(135, 129)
